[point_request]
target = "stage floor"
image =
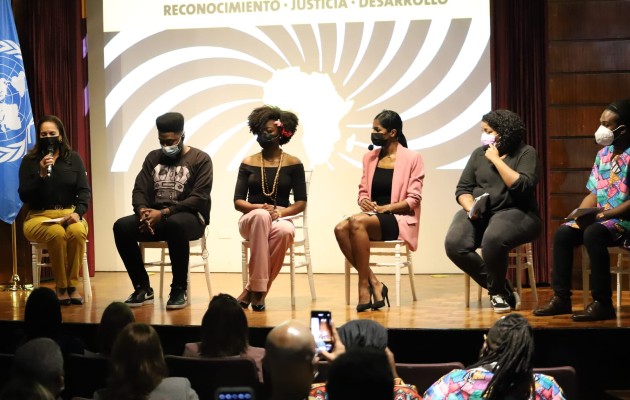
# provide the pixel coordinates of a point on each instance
(440, 303)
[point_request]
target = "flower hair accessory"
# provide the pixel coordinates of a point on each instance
(284, 132)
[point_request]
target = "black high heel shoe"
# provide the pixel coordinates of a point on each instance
(381, 303)
(366, 306)
(78, 300)
(244, 303)
(258, 307)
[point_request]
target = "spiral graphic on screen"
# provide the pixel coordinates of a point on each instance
(335, 76)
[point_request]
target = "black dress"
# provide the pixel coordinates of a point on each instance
(382, 194)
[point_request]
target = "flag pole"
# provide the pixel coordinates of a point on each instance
(15, 285)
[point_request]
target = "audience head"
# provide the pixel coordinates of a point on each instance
(40, 360)
(25, 389)
(390, 120)
(290, 360)
(42, 314)
(361, 373)
(137, 362)
(274, 122)
(508, 127)
(510, 344)
(224, 330)
(363, 333)
(116, 316)
(622, 109)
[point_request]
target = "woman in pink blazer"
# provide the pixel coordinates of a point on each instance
(389, 197)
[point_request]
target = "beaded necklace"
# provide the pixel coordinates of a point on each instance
(274, 190)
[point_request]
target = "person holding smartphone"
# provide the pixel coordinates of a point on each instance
(390, 193)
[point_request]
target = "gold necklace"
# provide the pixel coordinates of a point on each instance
(273, 194)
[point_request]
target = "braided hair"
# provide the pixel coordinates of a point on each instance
(259, 117)
(509, 127)
(391, 120)
(508, 351)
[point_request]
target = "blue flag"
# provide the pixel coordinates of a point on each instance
(17, 130)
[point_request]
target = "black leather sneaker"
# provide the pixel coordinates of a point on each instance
(596, 311)
(177, 299)
(556, 306)
(140, 297)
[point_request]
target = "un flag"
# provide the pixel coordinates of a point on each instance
(17, 130)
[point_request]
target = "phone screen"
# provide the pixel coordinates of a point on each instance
(321, 330)
(234, 393)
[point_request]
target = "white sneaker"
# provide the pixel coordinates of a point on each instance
(499, 305)
(517, 298)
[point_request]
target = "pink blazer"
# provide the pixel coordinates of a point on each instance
(406, 185)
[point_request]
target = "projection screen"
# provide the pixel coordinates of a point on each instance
(335, 63)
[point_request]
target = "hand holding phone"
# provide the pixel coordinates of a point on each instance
(322, 330)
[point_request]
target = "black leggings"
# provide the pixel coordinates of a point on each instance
(596, 238)
(504, 230)
(177, 230)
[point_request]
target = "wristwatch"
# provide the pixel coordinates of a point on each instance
(163, 212)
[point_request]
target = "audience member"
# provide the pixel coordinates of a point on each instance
(20, 389)
(171, 203)
(224, 333)
(42, 318)
(138, 369)
(54, 185)
(116, 316)
(505, 170)
(364, 334)
(605, 224)
(263, 187)
(390, 193)
(360, 373)
(40, 360)
(504, 369)
(290, 362)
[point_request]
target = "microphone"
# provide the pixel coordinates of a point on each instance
(51, 151)
(371, 147)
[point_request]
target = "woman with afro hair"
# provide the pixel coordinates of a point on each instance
(265, 181)
(506, 169)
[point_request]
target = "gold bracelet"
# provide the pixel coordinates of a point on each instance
(279, 213)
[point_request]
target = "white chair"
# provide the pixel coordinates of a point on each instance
(40, 250)
(620, 267)
(299, 248)
(198, 248)
(389, 248)
(519, 258)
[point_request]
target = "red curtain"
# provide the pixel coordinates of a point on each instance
(518, 52)
(53, 39)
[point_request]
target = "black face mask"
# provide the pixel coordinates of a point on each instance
(49, 144)
(378, 139)
(265, 140)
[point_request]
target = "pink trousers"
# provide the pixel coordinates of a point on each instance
(269, 242)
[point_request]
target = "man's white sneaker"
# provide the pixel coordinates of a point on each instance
(499, 305)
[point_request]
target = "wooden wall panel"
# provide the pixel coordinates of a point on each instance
(589, 20)
(587, 88)
(562, 204)
(567, 182)
(573, 120)
(572, 153)
(591, 56)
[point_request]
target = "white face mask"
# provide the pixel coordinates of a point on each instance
(487, 139)
(604, 136)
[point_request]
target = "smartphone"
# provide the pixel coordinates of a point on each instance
(234, 393)
(322, 330)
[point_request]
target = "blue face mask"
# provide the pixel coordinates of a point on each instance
(174, 150)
